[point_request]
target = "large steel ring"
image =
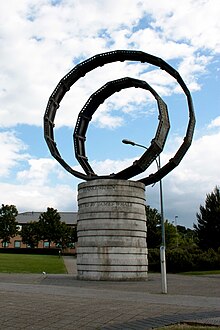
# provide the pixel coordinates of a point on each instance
(98, 97)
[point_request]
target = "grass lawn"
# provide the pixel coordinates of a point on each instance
(205, 272)
(188, 327)
(31, 263)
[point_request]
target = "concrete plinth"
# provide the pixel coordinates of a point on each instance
(111, 230)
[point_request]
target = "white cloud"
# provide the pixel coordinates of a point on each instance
(36, 187)
(215, 123)
(39, 186)
(109, 166)
(200, 167)
(40, 42)
(38, 171)
(194, 21)
(29, 197)
(191, 67)
(13, 151)
(109, 121)
(185, 188)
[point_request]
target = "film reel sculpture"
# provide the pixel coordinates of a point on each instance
(85, 116)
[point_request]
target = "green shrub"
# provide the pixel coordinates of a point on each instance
(207, 260)
(154, 260)
(179, 260)
(183, 260)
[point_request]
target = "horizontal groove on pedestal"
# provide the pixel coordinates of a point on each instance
(111, 230)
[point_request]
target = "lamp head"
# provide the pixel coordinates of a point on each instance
(125, 141)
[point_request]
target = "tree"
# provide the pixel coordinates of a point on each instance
(67, 236)
(153, 227)
(208, 227)
(30, 234)
(50, 225)
(154, 234)
(8, 223)
(186, 237)
(171, 235)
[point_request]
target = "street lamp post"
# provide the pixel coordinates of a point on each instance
(163, 241)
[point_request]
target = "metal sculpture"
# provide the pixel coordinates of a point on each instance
(85, 116)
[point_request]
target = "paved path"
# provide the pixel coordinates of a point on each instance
(33, 301)
(70, 263)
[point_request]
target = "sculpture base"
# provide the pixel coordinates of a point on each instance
(111, 230)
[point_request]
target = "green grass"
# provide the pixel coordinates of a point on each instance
(31, 263)
(188, 327)
(205, 272)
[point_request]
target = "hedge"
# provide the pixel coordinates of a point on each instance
(183, 260)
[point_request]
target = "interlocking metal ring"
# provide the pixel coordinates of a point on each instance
(99, 97)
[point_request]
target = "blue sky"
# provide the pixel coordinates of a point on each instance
(42, 40)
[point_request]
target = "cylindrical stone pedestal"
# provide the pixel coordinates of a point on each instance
(111, 230)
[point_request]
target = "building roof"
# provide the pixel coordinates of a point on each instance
(70, 218)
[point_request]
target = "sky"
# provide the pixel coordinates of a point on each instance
(42, 40)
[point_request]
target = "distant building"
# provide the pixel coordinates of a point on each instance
(70, 218)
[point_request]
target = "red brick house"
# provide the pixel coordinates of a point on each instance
(70, 218)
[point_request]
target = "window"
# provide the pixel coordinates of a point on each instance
(5, 244)
(17, 244)
(46, 244)
(71, 245)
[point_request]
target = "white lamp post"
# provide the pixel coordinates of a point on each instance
(162, 247)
